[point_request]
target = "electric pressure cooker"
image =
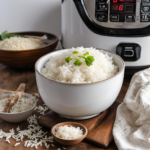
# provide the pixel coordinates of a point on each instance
(120, 26)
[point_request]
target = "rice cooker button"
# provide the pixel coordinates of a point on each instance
(101, 0)
(144, 18)
(101, 17)
(102, 7)
(146, 1)
(130, 18)
(114, 18)
(145, 9)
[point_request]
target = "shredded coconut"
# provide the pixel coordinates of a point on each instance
(102, 68)
(66, 132)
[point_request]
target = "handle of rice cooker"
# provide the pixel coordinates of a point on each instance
(108, 31)
(86, 19)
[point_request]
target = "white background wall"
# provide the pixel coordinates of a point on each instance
(30, 15)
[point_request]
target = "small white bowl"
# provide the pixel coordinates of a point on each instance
(79, 100)
(20, 116)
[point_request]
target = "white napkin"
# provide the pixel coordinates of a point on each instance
(131, 129)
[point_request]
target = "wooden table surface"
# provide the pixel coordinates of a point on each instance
(10, 80)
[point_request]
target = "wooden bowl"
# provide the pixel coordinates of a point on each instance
(27, 58)
(70, 141)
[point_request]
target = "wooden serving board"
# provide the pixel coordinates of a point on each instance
(99, 128)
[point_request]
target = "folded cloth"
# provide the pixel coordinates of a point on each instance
(131, 129)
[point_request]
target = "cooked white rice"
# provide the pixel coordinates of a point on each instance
(57, 69)
(21, 43)
(23, 104)
(66, 132)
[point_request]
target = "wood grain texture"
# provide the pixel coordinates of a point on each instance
(10, 79)
(99, 127)
(27, 58)
(102, 135)
(50, 119)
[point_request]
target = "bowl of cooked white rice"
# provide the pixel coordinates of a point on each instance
(79, 83)
(21, 52)
(21, 110)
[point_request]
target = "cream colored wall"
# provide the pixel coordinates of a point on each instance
(29, 15)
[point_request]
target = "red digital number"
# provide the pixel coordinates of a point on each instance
(115, 1)
(132, 1)
(120, 7)
(114, 7)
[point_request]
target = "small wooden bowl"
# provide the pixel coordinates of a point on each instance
(69, 142)
(27, 58)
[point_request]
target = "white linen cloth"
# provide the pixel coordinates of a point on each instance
(131, 129)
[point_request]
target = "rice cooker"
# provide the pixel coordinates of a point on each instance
(120, 26)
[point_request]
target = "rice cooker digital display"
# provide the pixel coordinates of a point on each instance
(122, 10)
(123, 1)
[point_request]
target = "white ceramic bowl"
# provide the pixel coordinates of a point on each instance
(79, 101)
(20, 116)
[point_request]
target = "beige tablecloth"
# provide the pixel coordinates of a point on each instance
(131, 130)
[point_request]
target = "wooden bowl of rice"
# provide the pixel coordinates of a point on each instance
(68, 136)
(27, 58)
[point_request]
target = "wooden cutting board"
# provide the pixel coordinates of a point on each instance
(99, 127)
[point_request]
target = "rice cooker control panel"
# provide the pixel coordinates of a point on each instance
(145, 11)
(119, 10)
(119, 14)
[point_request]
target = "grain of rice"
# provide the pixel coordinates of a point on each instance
(21, 43)
(34, 134)
(69, 132)
(16, 144)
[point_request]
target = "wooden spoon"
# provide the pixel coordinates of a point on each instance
(13, 98)
(44, 39)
